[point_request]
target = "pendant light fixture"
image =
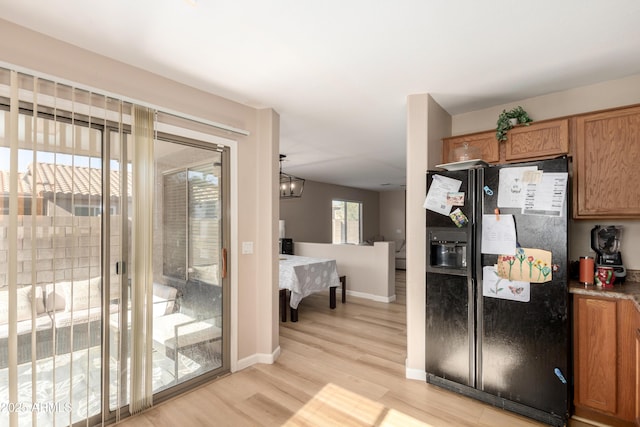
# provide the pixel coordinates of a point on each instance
(291, 187)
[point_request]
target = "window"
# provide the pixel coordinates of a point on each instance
(192, 222)
(346, 222)
(25, 203)
(84, 210)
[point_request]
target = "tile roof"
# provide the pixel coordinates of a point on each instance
(62, 179)
(24, 185)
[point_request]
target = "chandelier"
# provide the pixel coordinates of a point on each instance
(290, 186)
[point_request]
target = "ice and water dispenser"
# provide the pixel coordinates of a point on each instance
(447, 251)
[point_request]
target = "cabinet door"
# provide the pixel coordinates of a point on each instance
(637, 374)
(627, 326)
(485, 141)
(607, 158)
(538, 140)
(596, 373)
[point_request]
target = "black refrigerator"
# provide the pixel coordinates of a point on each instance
(511, 351)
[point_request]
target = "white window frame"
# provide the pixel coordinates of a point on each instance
(342, 236)
(93, 210)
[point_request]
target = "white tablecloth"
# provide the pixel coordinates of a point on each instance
(304, 276)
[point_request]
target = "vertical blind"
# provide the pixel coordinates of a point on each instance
(53, 297)
(174, 254)
(142, 234)
(69, 158)
(190, 235)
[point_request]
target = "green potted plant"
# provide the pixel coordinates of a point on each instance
(508, 119)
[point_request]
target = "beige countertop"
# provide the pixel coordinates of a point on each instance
(627, 290)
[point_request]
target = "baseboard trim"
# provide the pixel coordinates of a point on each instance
(588, 421)
(596, 418)
(415, 374)
(372, 297)
(500, 402)
(263, 358)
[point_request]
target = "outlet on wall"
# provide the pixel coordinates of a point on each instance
(247, 247)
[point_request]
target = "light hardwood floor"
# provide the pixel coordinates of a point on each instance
(342, 367)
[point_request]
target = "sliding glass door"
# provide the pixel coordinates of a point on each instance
(189, 266)
(82, 273)
(191, 257)
(50, 262)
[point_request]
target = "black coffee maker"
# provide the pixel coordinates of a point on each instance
(605, 240)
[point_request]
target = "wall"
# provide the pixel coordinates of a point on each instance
(308, 219)
(392, 216)
(66, 248)
(427, 124)
(254, 332)
(614, 93)
(370, 270)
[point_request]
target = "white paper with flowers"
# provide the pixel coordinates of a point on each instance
(531, 265)
(494, 286)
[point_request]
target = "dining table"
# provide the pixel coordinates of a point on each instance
(302, 276)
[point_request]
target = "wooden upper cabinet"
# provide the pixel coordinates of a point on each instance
(538, 140)
(485, 141)
(607, 164)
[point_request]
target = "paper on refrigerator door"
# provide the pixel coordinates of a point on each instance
(546, 197)
(532, 265)
(511, 186)
(498, 235)
(494, 286)
(439, 190)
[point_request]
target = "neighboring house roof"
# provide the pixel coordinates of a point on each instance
(24, 185)
(62, 179)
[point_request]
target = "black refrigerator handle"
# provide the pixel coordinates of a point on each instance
(479, 332)
(473, 350)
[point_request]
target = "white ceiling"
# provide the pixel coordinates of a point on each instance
(338, 71)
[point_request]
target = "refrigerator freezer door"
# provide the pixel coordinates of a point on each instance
(449, 333)
(466, 205)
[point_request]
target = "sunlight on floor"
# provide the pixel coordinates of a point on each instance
(334, 405)
(68, 385)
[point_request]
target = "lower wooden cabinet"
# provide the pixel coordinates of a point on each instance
(606, 351)
(595, 384)
(638, 376)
